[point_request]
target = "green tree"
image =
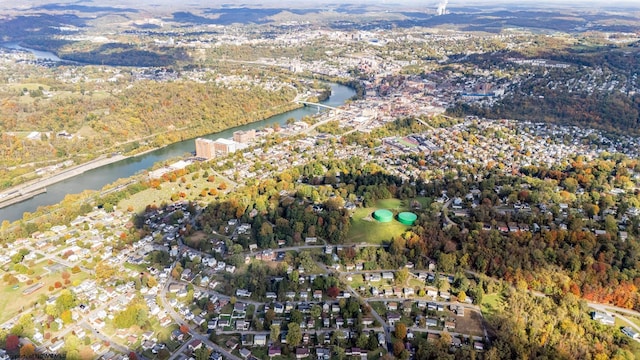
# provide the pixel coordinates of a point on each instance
(315, 311)
(462, 296)
(66, 300)
(447, 262)
(275, 333)
(296, 316)
(402, 276)
(202, 353)
(294, 335)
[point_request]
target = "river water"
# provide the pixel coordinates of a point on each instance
(97, 178)
(39, 55)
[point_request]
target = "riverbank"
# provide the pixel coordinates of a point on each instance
(32, 188)
(28, 190)
(96, 177)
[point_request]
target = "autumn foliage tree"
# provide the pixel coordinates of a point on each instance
(12, 342)
(27, 350)
(333, 292)
(400, 331)
(398, 347)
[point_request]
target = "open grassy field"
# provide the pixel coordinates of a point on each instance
(12, 300)
(192, 190)
(364, 228)
(491, 303)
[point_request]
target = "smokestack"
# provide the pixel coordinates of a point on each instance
(442, 7)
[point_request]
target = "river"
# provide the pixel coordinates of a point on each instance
(97, 178)
(39, 55)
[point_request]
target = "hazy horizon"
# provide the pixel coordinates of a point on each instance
(306, 4)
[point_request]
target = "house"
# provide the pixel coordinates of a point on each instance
(302, 353)
(260, 340)
(240, 308)
(242, 325)
(354, 351)
(627, 330)
(478, 346)
(56, 346)
(323, 354)
(186, 275)
(177, 335)
(195, 345)
(603, 318)
(392, 318)
(274, 351)
(231, 344)
(278, 308)
(198, 320)
(147, 345)
(449, 325)
(223, 323)
(288, 306)
(432, 322)
(432, 292)
(245, 353)
(392, 306)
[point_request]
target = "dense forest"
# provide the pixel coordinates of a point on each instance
(144, 115)
(116, 54)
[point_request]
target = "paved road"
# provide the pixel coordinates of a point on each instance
(97, 334)
(57, 177)
(178, 319)
(609, 309)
